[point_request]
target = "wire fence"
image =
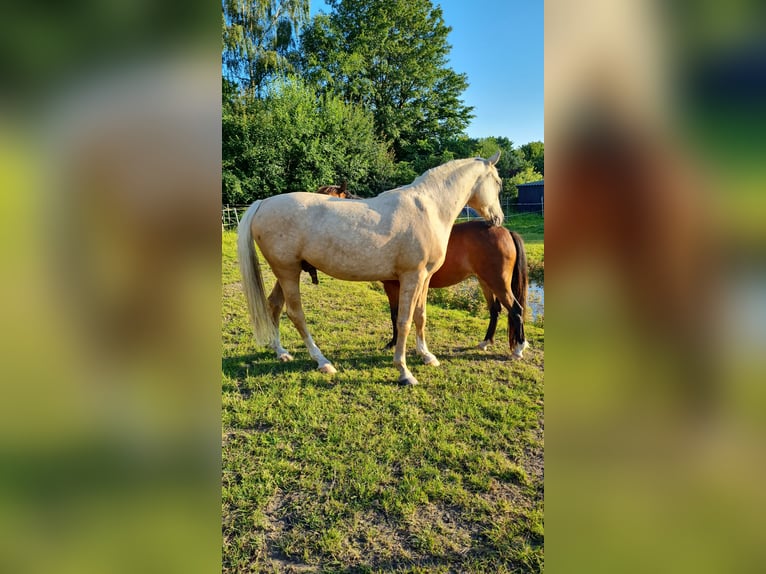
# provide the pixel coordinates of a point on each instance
(230, 214)
(510, 208)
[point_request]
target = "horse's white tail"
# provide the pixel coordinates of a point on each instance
(252, 280)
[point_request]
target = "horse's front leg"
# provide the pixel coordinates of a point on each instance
(409, 289)
(292, 295)
(420, 327)
(276, 304)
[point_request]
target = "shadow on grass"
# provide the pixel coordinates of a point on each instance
(240, 367)
(484, 559)
(473, 353)
(353, 364)
(346, 360)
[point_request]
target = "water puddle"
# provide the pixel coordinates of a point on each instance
(536, 301)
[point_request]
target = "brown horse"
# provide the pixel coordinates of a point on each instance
(494, 255)
(497, 258)
(337, 191)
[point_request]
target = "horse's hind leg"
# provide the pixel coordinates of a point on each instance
(420, 328)
(516, 338)
(494, 311)
(392, 292)
(292, 297)
(276, 304)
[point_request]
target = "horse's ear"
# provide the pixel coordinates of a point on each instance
(494, 158)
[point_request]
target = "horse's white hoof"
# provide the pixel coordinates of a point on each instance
(431, 360)
(484, 344)
(517, 352)
(408, 381)
(328, 369)
(285, 357)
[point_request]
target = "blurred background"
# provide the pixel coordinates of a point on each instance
(110, 179)
(655, 286)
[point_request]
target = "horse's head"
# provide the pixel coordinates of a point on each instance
(332, 191)
(485, 195)
(339, 191)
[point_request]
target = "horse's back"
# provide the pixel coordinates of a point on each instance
(370, 239)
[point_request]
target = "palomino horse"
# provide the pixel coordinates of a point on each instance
(494, 255)
(401, 235)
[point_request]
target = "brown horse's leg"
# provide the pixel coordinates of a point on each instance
(276, 304)
(420, 327)
(292, 295)
(519, 287)
(505, 278)
(392, 292)
(494, 310)
(516, 340)
(409, 288)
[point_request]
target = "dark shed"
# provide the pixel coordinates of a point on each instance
(531, 197)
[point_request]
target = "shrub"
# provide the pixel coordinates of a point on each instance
(293, 141)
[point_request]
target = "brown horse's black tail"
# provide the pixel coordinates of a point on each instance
(519, 286)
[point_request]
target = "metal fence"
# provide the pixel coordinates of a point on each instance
(230, 214)
(510, 209)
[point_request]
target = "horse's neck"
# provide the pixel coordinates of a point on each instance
(451, 190)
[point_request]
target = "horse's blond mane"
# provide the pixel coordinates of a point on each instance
(438, 173)
(439, 170)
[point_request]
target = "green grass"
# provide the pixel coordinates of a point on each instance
(530, 227)
(352, 473)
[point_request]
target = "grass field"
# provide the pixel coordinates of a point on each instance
(353, 473)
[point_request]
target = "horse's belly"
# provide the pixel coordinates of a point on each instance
(355, 268)
(456, 268)
(447, 276)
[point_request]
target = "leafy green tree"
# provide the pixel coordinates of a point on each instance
(291, 141)
(259, 39)
(462, 146)
(511, 160)
(526, 174)
(534, 153)
(390, 56)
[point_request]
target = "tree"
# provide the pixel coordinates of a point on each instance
(390, 56)
(511, 160)
(258, 36)
(534, 153)
(291, 141)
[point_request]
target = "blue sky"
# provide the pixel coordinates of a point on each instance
(498, 44)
